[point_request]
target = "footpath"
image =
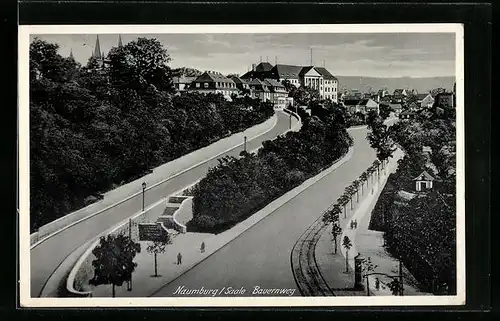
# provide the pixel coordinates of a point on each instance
(366, 242)
(145, 284)
(158, 174)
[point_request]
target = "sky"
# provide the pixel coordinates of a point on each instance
(369, 55)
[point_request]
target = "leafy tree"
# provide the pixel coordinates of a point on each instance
(346, 243)
(367, 267)
(363, 178)
(156, 248)
(304, 96)
(349, 192)
(140, 63)
(343, 200)
(380, 137)
(288, 85)
(336, 231)
(114, 260)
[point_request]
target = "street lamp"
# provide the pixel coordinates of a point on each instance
(143, 190)
(290, 123)
(245, 143)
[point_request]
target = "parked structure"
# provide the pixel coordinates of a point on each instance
(424, 181)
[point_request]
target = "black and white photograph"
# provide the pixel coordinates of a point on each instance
(241, 165)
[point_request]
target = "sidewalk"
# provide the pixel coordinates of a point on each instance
(368, 243)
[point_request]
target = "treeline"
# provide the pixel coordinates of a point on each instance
(238, 187)
(97, 126)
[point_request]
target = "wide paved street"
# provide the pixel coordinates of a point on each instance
(48, 256)
(261, 255)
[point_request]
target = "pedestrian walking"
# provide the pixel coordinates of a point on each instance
(352, 224)
(179, 258)
(202, 247)
(377, 284)
(355, 224)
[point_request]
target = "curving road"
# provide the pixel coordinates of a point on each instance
(261, 255)
(54, 257)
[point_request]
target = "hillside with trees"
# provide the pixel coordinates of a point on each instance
(239, 187)
(95, 127)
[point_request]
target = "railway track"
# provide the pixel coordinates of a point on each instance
(308, 277)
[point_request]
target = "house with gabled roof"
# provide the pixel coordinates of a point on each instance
(399, 95)
(214, 82)
(261, 89)
(425, 100)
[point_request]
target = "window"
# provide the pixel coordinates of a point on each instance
(198, 85)
(205, 85)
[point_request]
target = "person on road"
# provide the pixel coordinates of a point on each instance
(202, 247)
(355, 224)
(352, 224)
(377, 284)
(179, 258)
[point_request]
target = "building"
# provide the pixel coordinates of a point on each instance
(182, 83)
(330, 84)
(287, 72)
(214, 82)
(260, 89)
(383, 92)
(361, 106)
(278, 93)
(315, 77)
(445, 100)
(425, 100)
(406, 115)
(424, 181)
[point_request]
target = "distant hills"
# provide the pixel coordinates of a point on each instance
(422, 85)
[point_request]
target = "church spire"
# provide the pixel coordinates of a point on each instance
(71, 54)
(120, 41)
(97, 50)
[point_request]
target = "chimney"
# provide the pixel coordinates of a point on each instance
(253, 67)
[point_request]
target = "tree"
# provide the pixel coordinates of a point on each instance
(114, 260)
(139, 64)
(346, 243)
(376, 165)
(355, 186)
(380, 138)
(336, 231)
(304, 96)
(156, 248)
(385, 110)
(288, 85)
(363, 178)
(343, 200)
(349, 192)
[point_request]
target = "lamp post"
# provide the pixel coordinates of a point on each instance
(290, 123)
(143, 190)
(245, 143)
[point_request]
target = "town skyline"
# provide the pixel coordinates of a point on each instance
(415, 55)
